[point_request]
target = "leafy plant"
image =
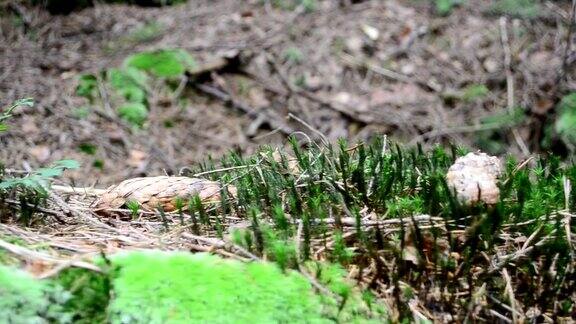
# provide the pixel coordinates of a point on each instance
(7, 113)
(293, 55)
(87, 85)
(130, 84)
(516, 8)
(307, 5)
(38, 180)
(444, 7)
(162, 63)
(146, 33)
(474, 91)
(135, 113)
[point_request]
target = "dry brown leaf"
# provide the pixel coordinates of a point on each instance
(163, 191)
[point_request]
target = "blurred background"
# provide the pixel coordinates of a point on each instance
(146, 87)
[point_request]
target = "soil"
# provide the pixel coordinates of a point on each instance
(342, 70)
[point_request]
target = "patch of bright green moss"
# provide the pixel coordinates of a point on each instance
(156, 287)
(26, 300)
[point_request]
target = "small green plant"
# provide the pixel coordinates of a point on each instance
(146, 33)
(135, 113)
(38, 181)
(293, 55)
(516, 8)
(130, 84)
(162, 63)
(88, 148)
(306, 5)
(445, 7)
(134, 208)
(87, 86)
(474, 91)
(7, 113)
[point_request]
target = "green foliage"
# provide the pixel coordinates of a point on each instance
(7, 113)
(135, 113)
(25, 300)
(146, 33)
(155, 287)
(565, 124)
(474, 91)
(381, 182)
(87, 86)
(130, 84)
(162, 63)
(128, 77)
(89, 293)
(445, 7)
(38, 180)
(88, 148)
(516, 8)
(306, 5)
(293, 55)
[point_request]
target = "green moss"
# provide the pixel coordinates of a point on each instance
(26, 300)
(155, 287)
(89, 294)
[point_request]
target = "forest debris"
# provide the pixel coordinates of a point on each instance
(163, 192)
(474, 177)
(371, 32)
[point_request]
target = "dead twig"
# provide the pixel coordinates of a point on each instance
(32, 255)
(510, 82)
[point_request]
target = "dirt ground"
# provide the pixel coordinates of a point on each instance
(353, 71)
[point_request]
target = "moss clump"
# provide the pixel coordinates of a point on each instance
(161, 287)
(26, 300)
(155, 287)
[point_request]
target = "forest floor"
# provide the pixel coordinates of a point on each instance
(483, 75)
(473, 77)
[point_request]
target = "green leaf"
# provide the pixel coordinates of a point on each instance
(24, 102)
(3, 127)
(87, 84)
(444, 7)
(133, 94)
(67, 164)
(516, 8)
(162, 63)
(135, 113)
(474, 91)
(49, 172)
(128, 77)
(88, 148)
